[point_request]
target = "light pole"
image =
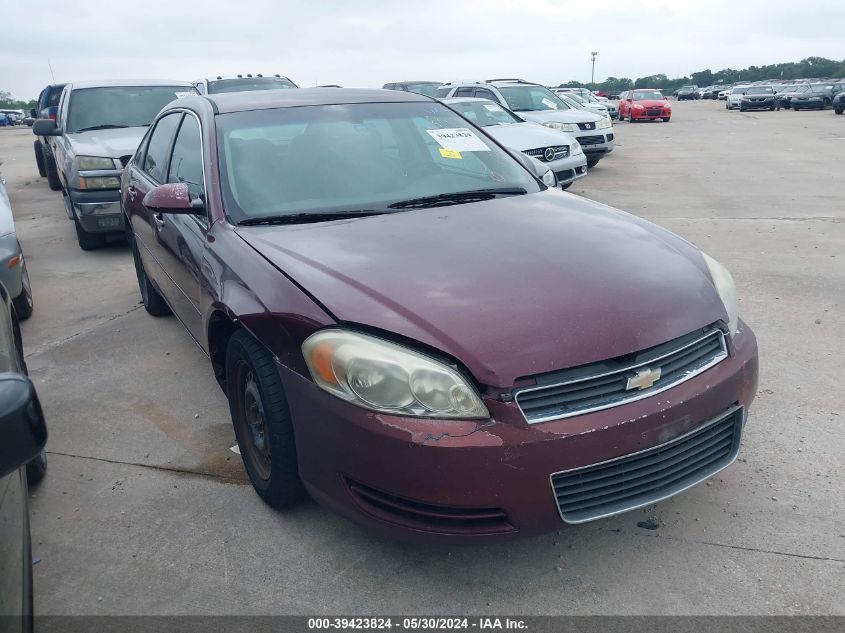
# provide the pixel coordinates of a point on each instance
(593, 73)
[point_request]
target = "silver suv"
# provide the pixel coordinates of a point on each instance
(538, 104)
(98, 127)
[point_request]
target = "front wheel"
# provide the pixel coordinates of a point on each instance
(839, 110)
(262, 421)
(88, 241)
(39, 158)
(153, 302)
(666, 120)
(566, 186)
(36, 469)
(52, 171)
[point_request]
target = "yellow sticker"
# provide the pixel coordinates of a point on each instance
(450, 153)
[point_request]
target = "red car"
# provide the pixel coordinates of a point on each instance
(412, 327)
(644, 104)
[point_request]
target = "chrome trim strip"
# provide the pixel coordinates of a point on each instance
(638, 395)
(97, 173)
(713, 421)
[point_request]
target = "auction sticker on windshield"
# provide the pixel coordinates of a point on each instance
(459, 139)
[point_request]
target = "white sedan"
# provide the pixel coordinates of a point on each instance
(558, 150)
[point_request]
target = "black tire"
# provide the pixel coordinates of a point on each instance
(839, 110)
(39, 158)
(88, 241)
(742, 108)
(566, 186)
(667, 119)
(36, 469)
(23, 302)
(153, 302)
(51, 171)
(262, 421)
(630, 116)
(771, 108)
(592, 162)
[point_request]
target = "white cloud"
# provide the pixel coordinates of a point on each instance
(370, 42)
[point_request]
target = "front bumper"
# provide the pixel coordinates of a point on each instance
(569, 169)
(595, 142)
(650, 114)
(487, 479)
(97, 211)
(765, 104)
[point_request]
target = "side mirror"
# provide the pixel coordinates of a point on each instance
(173, 197)
(22, 426)
(45, 127)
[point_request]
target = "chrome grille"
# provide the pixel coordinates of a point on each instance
(560, 151)
(632, 481)
(608, 384)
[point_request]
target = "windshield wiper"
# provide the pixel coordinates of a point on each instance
(305, 218)
(459, 197)
(107, 126)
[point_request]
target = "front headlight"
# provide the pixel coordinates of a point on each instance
(94, 162)
(382, 376)
(99, 182)
(605, 123)
(727, 290)
(638, 106)
(577, 149)
(549, 179)
(563, 127)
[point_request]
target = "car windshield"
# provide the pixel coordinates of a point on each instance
(331, 159)
(819, 89)
(429, 89)
(647, 95)
(246, 84)
(739, 91)
(759, 90)
(485, 113)
(119, 106)
(522, 98)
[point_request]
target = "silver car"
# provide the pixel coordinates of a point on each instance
(559, 151)
(734, 98)
(97, 130)
(589, 101)
(13, 273)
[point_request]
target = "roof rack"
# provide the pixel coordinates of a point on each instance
(519, 81)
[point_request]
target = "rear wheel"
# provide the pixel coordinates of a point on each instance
(262, 421)
(666, 120)
(23, 302)
(153, 302)
(36, 469)
(39, 158)
(51, 171)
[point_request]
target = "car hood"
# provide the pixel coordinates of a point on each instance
(651, 103)
(564, 116)
(523, 136)
(510, 287)
(111, 143)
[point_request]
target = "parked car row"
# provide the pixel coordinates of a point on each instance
(810, 96)
(401, 306)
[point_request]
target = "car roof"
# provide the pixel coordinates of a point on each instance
(465, 100)
(116, 83)
(269, 99)
(220, 77)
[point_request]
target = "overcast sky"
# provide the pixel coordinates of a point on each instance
(370, 42)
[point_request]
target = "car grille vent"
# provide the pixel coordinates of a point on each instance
(427, 517)
(632, 481)
(611, 383)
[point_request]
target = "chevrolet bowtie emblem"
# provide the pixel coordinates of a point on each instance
(643, 378)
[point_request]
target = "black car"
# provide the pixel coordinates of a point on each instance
(758, 98)
(48, 106)
(427, 88)
(818, 97)
(22, 438)
(784, 97)
(839, 103)
(687, 92)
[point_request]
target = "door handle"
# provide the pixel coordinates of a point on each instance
(158, 220)
(132, 192)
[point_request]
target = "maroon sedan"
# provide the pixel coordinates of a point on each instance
(414, 329)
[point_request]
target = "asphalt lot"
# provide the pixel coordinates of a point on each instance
(146, 510)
